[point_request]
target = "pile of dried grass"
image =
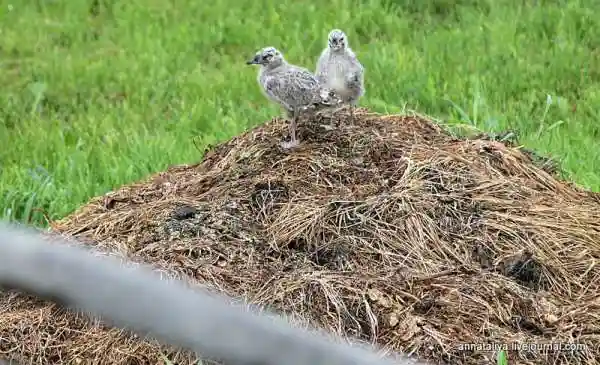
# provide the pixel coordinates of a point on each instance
(385, 228)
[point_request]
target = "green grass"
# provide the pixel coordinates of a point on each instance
(501, 358)
(97, 95)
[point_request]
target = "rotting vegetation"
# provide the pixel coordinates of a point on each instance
(383, 228)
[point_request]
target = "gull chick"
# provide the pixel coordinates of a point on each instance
(294, 88)
(339, 70)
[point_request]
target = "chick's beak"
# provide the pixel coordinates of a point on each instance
(254, 61)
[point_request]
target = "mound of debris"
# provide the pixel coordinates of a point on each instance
(382, 228)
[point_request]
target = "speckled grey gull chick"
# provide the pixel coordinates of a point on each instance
(339, 70)
(294, 88)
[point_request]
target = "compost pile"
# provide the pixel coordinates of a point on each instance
(381, 228)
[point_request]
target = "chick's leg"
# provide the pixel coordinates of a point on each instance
(292, 128)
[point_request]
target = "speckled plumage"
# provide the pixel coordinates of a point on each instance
(339, 70)
(293, 87)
